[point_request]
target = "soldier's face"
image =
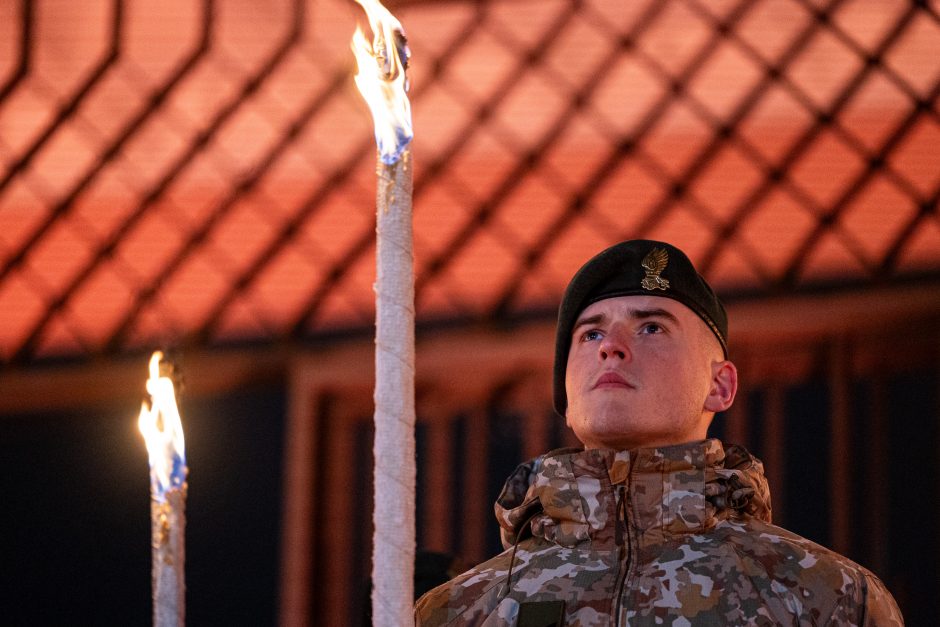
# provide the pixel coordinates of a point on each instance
(640, 372)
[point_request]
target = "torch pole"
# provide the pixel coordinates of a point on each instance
(394, 513)
(167, 532)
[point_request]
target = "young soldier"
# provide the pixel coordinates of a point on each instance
(651, 523)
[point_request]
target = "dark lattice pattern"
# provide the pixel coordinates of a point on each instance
(191, 173)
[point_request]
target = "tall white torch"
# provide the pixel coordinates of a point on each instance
(160, 424)
(382, 82)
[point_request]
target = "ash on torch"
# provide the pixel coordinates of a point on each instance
(162, 428)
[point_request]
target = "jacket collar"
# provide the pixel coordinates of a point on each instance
(572, 496)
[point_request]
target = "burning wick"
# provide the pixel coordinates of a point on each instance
(160, 424)
(382, 82)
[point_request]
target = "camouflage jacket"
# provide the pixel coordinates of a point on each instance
(678, 535)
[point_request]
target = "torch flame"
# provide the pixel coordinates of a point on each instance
(381, 79)
(162, 429)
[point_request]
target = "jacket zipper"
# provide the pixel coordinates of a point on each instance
(625, 550)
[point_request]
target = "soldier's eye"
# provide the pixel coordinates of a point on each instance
(590, 336)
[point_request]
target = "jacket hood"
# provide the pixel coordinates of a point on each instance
(570, 496)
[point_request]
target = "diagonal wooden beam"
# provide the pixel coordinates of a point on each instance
(621, 150)
(63, 115)
(25, 52)
(106, 249)
(196, 237)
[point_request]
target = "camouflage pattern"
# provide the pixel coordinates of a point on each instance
(678, 535)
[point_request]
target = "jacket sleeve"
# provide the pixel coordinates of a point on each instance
(463, 604)
(880, 608)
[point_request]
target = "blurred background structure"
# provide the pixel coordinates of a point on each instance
(199, 176)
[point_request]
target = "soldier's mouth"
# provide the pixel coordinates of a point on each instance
(612, 380)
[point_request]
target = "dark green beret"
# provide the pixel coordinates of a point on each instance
(626, 269)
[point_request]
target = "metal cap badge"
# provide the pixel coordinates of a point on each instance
(654, 263)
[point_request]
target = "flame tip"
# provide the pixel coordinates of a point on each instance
(159, 422)
(385, 87)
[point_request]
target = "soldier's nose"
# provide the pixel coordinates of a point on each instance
(613, 347)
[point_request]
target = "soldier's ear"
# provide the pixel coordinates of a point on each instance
(724, 386)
